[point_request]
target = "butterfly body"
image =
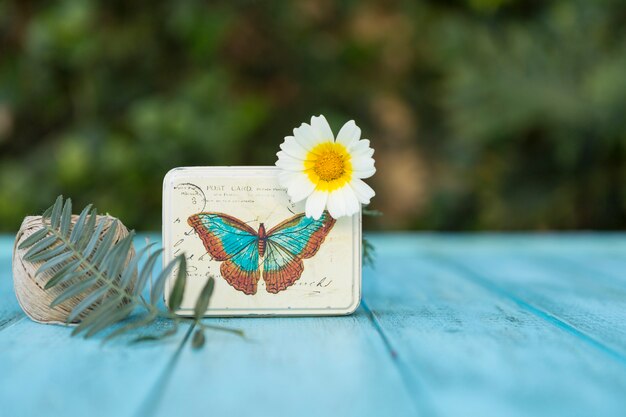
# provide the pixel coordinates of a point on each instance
(262, 240)
(245, 252)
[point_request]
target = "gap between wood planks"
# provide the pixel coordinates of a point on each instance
(475, 277)
(412, 384)
(8, 322)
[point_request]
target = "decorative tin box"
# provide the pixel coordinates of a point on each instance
(238, 225)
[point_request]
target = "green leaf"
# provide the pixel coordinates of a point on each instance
(46, 214)
(78, 228)
(67, 268)
(44, 255)
(155, 337)
(131, 268)
(106, 308)
(90, 228)
(116, 260)
(88, 301)
(32, 239)
(369, 253)
(132, 325)
(372, 213)
(109, 319)
(93, 241)
(66, 217)
(159, 283)
(104, 246)
(176, 295)
(55, 216)
(54, 262)
(146, 271)
(74, 290)
(67, 273)
(39, 246)
(224, 329)
(203, 299)
(198, 339)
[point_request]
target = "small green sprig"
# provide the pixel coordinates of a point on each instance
(107, 278)
(369, 250)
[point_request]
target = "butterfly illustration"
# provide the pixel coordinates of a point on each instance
(240, 248)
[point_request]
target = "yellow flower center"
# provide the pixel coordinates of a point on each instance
(328, 166)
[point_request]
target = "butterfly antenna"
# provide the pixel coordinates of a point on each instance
(276, 206)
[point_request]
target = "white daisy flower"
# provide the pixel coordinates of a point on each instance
(325, 171)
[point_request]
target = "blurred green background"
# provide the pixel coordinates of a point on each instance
(485, 114)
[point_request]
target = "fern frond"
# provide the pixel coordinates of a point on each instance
(102, 275)
(76, 257)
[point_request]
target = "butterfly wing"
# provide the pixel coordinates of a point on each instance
(242, 270)
(234, 243)
(297, 238)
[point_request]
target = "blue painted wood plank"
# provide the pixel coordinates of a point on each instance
(10, 311)
(587, 301)
(432, 339)
(611, 267)
(590, 323)
(289, 366)
(43, 371)
(475, 351)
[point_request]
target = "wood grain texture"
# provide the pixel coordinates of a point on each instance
(485, 325)
(288, 367)
(562, 282)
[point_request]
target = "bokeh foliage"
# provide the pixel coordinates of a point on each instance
(485, 114)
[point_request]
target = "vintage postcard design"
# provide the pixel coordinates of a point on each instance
(238, 225)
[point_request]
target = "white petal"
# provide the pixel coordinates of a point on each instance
(284, 155)
(285, 177)
(289, 163)
(360, 145)
(362, 150)
(363, 192)
(352, 203)
(336, 204)
(368, 153)
(363, 173)
(291, 147)
(300, 187)
(306, 136)
(321, 126)
(315, 204)
(349, 134)
(362, 162)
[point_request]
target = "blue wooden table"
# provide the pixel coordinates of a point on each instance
(449, 325)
